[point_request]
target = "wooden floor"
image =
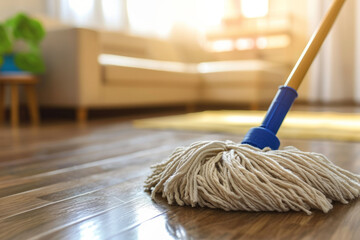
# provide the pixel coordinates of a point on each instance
(66, 181)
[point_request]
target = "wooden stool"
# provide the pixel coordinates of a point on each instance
(14, 81)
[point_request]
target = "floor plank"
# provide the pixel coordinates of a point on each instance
(66, 181)
(189, 223)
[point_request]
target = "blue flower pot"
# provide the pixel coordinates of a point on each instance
(9, 65)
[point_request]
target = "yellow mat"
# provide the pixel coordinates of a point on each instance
(299, 125)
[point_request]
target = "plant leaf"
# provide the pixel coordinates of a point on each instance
(5, 44)
(31, 62)
(24, 27)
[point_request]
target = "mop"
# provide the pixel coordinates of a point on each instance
(255, 175)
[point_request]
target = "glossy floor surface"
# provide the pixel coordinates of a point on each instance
(66, 181)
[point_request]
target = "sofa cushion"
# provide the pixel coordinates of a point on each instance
(145, 72)
(245, 81)
(220, 81)
(242, 72)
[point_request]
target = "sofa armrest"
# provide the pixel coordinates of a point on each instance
(72, 71)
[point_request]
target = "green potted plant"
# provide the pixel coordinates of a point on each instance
(27, 31)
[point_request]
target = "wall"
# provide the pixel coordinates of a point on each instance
(10, 7)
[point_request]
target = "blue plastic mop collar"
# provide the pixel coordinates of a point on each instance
(265, 135)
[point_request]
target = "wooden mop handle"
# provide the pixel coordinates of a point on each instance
(312, 48)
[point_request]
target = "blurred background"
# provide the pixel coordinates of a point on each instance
(217, 52)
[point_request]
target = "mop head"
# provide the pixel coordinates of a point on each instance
(233, 176)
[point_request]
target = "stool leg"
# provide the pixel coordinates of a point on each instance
(2, 103)
(254, 105)
(190, 107)
(14, 105)
(32, 104)
(81, 114)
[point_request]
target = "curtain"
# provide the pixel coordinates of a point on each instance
(335, 74)
(357, 58)
(155, 18)
(102, 14)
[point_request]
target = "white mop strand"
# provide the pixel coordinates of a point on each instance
(235, 176)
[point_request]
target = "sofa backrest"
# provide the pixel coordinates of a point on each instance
(152, 48)
(122, 44)
(137, 46)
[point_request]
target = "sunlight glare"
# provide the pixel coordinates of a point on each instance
(146, 17)
(223, 45)
(254, 8)
(261, 42)
(210, 13)
(112, 13)
(81, 7)
(277, 41)
(89, 230)
(244, 44)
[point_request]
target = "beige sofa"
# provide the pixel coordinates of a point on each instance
(87, 69)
